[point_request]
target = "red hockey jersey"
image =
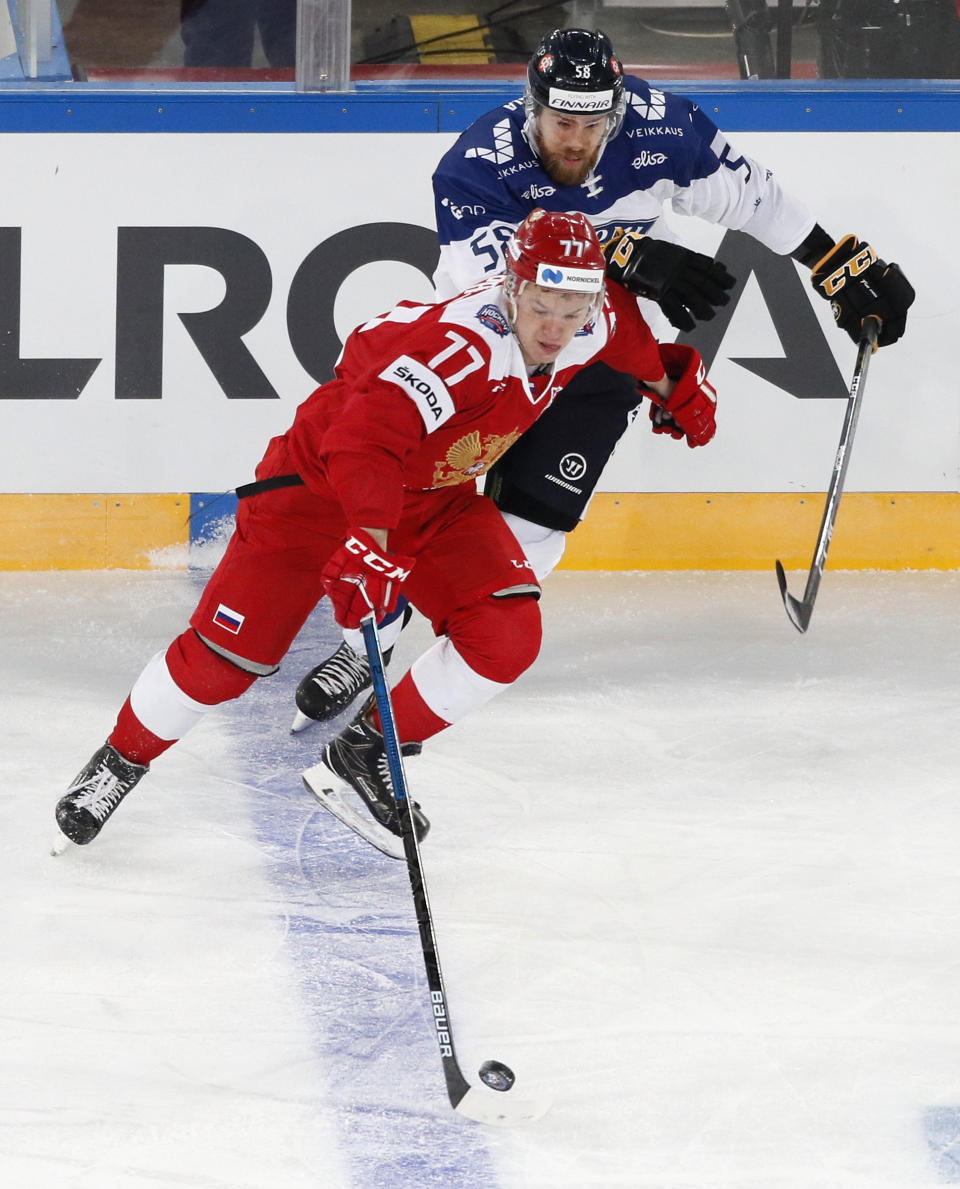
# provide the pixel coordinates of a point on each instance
(428, 396)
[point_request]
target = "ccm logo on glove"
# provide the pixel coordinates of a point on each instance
(832, 284)
(362, 577)
(383, 565)
(859, 285)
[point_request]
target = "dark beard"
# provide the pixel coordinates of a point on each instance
(567, 175)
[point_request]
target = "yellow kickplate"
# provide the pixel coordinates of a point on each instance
(750, 531)
(622, 531)
(452, 39)
(89, 532)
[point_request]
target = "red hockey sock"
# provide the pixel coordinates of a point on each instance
(132, 739)
(415, 720)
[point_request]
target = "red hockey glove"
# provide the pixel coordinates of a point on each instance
(858, 285)
(662, 422)
(690, 410)
(361, 577)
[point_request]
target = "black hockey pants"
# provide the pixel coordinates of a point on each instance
(550, 473)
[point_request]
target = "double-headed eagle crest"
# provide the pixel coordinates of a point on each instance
(471, 455)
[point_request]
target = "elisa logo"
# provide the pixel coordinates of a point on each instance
(535, 192)
(647, 159)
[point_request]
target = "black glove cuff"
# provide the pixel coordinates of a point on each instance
(816, 245)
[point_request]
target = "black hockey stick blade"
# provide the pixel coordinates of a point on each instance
(480, 1103)
(798, 611)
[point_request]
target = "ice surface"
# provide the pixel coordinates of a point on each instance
(695, 878)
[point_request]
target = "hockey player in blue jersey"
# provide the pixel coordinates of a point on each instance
(585, 137)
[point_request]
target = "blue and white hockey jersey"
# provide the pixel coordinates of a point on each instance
(667, 153)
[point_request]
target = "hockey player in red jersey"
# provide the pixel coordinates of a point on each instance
(585, 136)
(373, 489)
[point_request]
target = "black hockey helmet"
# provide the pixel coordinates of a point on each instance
(576, 70)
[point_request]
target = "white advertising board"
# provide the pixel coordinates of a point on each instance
(126, 241)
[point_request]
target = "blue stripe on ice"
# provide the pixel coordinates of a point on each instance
(353, 938)
(941, 1126)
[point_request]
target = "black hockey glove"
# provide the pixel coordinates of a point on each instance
(858, 285)
(687, 286)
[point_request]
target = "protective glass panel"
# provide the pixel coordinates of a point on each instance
(341, 43)
(671, 39)
(181, 40)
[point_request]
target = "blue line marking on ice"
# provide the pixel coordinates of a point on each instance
(941, 1126)
(354, 942)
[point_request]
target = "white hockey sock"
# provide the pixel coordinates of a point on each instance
(389, 635)
(448, 685)
(161, 705)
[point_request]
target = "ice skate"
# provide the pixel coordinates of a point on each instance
(95, 794)
(353, 782)
(329, 688)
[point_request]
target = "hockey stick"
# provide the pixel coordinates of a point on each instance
(471, 1101)
(800, 610)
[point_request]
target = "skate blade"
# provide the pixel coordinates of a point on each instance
(323, 785)
(301, 723)
(60, 844)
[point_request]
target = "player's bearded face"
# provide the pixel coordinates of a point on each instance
(569, 145)
(546, 321)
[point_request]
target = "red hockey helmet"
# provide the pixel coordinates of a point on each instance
(556, 250)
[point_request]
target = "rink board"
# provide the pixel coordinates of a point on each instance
(622, 531)
(164, 308)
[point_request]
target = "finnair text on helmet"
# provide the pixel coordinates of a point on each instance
(580, 101)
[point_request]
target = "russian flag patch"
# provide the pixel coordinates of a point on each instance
(231, 620)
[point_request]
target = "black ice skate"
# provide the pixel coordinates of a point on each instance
(96, 793)
(329, 688)
(354, 769)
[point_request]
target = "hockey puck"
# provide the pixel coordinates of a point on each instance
(496, 1075)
